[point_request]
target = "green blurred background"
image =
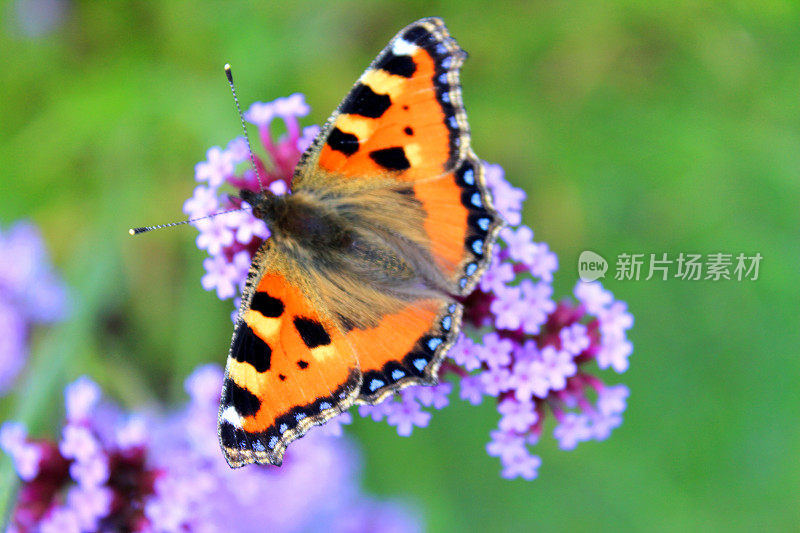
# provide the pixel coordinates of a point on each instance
(639, 127)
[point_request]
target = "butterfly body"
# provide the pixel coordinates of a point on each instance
(355, 294)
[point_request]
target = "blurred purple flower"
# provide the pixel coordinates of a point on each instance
(37, 18)
(30, 292)
(13, 345)
(535, 359)
(216, 168)
(113, 471)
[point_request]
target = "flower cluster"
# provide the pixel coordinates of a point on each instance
(232, 240)
(533, 355)
(116, 471)
(93, 478)
(30, 292)
(533, 366)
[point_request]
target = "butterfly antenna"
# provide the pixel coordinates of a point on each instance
(145, 229)
(229, 75)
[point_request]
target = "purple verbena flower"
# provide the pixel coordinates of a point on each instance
(471, 389)
(406, 413)
(80, 398)
(517, 415)
(507, 199)
(30, 293)
(231, 239)
(521, 464)
(528, 379)
(547, 349)
(575, 338)
(495, 351)
(505, 444)
(465, 353)
(115, 471)
(216, 168)
(202, 203)
(572, 429)
(497, 276)
(436, 396)
(535, 357)
(558, 366)
(26, 454)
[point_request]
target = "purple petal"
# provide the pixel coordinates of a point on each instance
(214, 234)
(572, 429)
(406, 414)
(471, 389)
(60, 520)
(216, 168)
(495, 351)
(574, 338)
(13, 345)
(612, 400)
(517, 415)
(309, 134)
(202, 203)
(465, 353)
(26, 455)
(593, 296)
(521, 465)
(507, 199)
(204, 384)
(80, 398)
(505, 444)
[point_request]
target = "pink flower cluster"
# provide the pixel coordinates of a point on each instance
(231, 240)
(118, 471)
(94, 477)
(523, 349)
(535, 357)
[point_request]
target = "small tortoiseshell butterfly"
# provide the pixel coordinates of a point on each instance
(355, 294)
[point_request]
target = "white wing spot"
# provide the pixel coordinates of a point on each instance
(232, 417)
(402, 47)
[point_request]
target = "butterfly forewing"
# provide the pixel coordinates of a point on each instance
(404, 115)
(288, 369)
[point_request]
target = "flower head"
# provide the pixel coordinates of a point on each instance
(534, 361)
(165, 473)
(30, 293)
(232, 239)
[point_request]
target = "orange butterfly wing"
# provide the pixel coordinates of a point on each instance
(405, 118)
(406, 348)
(288, 370)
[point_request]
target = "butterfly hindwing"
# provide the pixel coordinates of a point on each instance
(406, 348)
(288, 369)
(404, 116)
(460, 222)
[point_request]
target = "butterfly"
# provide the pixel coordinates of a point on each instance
(356, 293)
